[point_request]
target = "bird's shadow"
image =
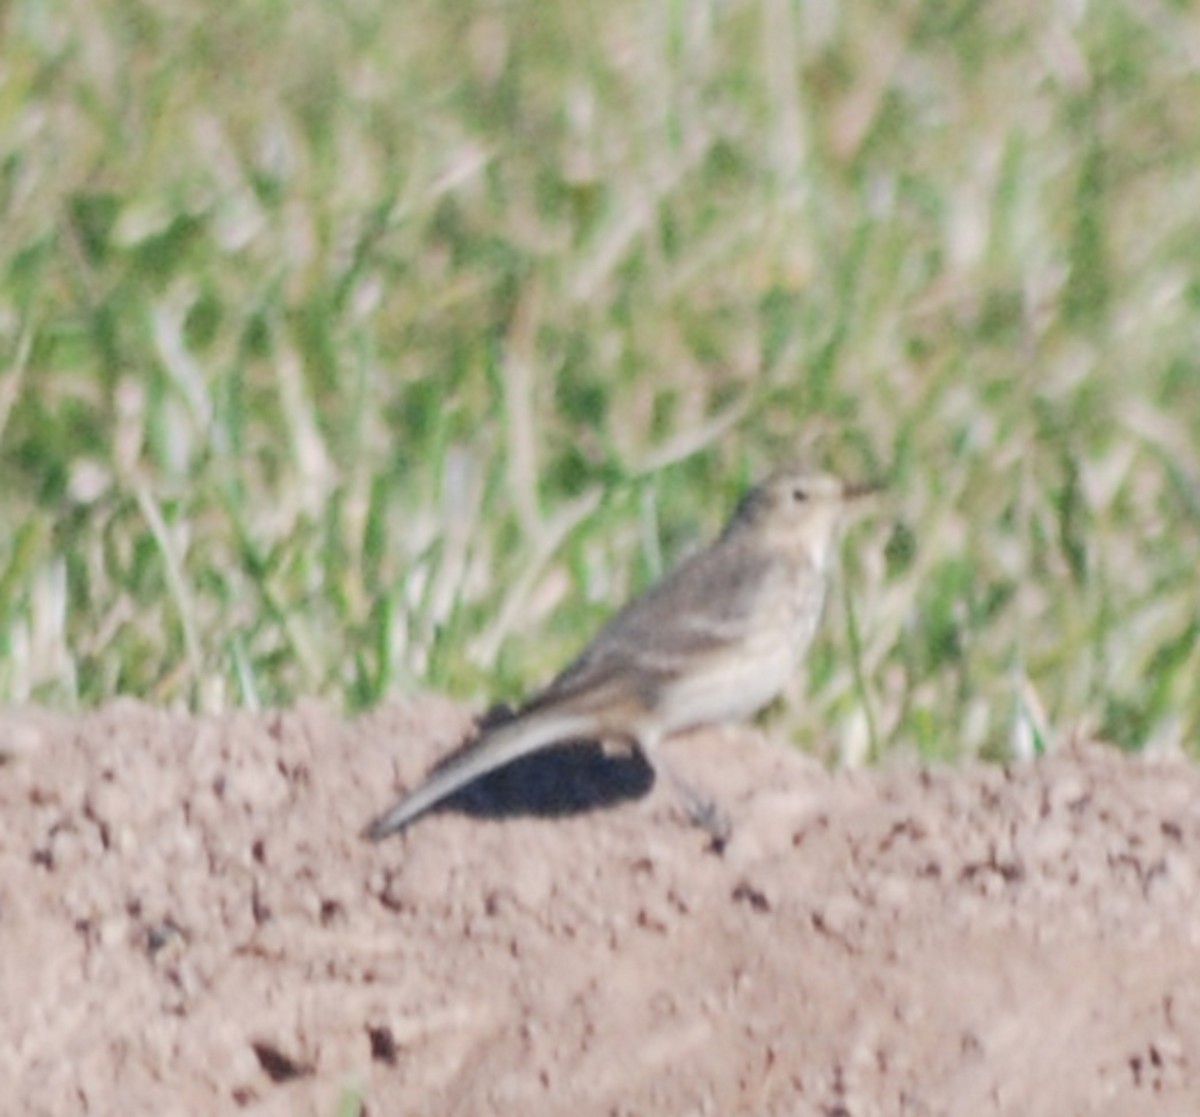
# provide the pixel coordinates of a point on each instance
(565, 779)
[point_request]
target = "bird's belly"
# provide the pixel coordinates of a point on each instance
(730, 688)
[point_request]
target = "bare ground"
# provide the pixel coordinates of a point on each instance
(190, 924)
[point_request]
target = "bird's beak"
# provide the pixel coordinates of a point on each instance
(854, 490)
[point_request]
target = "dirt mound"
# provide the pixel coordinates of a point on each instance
(189, 923)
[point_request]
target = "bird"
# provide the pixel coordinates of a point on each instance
(712, 642)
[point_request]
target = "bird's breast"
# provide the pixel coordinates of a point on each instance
(806, 601)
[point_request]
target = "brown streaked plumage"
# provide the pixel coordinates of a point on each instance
(713, 641)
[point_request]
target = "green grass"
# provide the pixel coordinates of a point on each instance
(356, 348)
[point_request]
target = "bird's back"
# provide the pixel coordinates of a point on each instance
(703, 608)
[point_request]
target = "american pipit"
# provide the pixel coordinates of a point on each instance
(714, 641)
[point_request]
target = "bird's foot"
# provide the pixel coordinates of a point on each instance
(714, 822)
(703, 812)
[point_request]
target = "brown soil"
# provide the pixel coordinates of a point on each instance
(190, 924)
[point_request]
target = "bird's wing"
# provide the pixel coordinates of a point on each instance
(703, 606)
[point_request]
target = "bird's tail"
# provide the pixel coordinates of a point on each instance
(494, 748)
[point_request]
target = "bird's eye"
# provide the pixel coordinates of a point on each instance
(799, 495)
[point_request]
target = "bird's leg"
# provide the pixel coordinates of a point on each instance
(701, 810)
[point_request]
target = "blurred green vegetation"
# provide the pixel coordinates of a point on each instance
(356, 348)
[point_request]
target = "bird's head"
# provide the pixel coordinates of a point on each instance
(796, 507)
